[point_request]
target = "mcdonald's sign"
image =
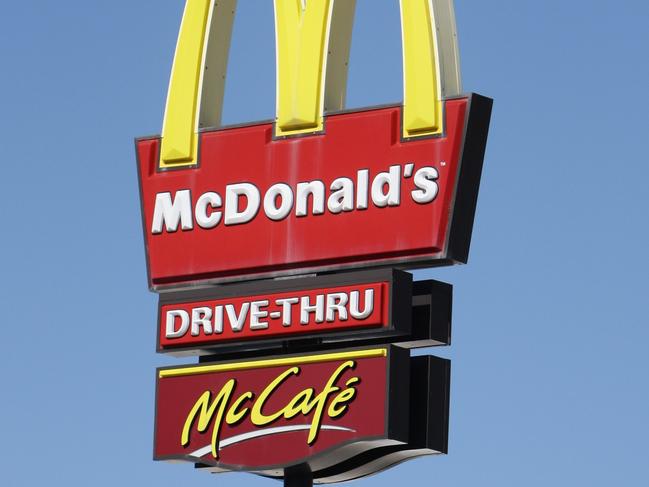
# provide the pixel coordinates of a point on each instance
(320, 188)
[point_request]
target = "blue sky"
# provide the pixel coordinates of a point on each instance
(550, 339)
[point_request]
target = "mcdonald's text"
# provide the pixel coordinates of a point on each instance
(243, 200)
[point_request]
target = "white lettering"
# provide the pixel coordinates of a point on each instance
(256, 313)
(237, 322)
(315, 188)
(218, 319)
(170, 331)
(286, 305)
(306, 307)
(342, 198)
(171, 213)
(354, 304)
(201, 317)
(426, 181)
(213, 200)
(285, 194)
(392, 180)
(362, 196)
(336, 303)
(243, 201)
(233, 193)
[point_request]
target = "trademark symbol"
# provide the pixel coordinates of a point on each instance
(443, 163)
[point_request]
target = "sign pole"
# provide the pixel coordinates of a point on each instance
(298, 476)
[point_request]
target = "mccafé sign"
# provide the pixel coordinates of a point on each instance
(224, 414)
(279, 248)
(346, 414)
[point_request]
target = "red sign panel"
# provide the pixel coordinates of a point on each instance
(362, 305)
(274, 315)
(267, 414)
(357, 195)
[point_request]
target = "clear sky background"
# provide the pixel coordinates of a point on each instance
(551, 334)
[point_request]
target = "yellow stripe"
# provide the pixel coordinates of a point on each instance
(258, 364)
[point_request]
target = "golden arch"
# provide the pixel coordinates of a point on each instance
(313, 39)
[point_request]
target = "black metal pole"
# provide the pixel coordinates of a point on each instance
(298, 476)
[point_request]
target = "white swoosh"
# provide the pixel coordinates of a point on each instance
(265, 432)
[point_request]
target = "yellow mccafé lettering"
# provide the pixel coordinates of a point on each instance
(312, 48)
(221, 410)
(206, 412)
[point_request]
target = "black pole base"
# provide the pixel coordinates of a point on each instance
(298, 476)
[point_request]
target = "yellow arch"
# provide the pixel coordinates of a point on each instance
(197, 81)
(430, 64)
(312, 48)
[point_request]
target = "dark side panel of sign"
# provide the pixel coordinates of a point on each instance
(357, 195)
(265, 415)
